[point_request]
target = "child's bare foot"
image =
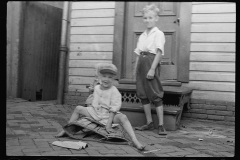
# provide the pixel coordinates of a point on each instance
(138, 145)
(60, 134)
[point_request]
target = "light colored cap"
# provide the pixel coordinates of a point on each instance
(108, 68)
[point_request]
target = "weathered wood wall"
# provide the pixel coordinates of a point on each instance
(212, 57)
(13, 35)
(91, 41)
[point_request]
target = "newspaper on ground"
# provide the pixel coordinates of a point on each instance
(70, 144)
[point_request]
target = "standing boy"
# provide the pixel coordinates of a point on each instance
(150, 49)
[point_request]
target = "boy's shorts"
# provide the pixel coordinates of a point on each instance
(148, 90)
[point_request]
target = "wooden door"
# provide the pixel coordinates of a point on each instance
(39, 55)
(134, 26)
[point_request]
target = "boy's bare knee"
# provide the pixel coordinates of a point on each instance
(78, 109)
(123, 118)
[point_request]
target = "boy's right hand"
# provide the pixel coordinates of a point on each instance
(134, 74)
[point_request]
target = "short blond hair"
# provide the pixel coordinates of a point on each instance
(151, 7)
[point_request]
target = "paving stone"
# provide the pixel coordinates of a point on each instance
(118, 151)
(165, 150)
(129, 149)
(13, 141)
(162, 155)
(112, 146)
(190, 150)
(19, 132)
(184, 141)
(56, 148)
(227, 154)
(95, 144)
(8, 153)
(37, 150)
(175, 148)
(106, 151)
(198, 155)
(12, 124)
(77, 155)
(182, 153)
(49, 119)
(74, 151)
(212, 153)
(56, 153)
(93, 153)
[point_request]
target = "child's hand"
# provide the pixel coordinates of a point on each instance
(151, 74)
(109, 129)
(134, 73)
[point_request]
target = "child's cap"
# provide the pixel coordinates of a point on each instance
(108, 68)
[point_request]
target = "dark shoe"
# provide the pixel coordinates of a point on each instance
(161, 130)
(149, 126)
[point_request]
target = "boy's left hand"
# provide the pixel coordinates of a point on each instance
(109, 129)
(151, 74)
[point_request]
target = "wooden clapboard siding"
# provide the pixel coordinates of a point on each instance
(81, 80)
(221, 47)
(92, 5)
(91, 38)
(214, 95)
(91, 55)
(78, 88)
(212, 56)
(86, 64)
(92, 22)
(91, 47)
(93, 13)
(103, 30)
(213, 27)
(213, 18)
(212, 66)
(212, 86)
(212, 51)
(91, 41)
(85, 72)
(211, 76)
(213, 37)
(214, 8)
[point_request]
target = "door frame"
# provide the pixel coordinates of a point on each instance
(183, 49)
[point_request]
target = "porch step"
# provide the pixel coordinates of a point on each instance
(175, 96)
(137, 117)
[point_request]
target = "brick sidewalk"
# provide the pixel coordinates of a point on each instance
(31, 127)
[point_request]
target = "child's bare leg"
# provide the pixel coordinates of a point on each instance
(75, 116)
(122, 119)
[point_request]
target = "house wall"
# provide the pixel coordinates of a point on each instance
(212, 54)
(13, 34)
(212, 60)
(91, 42)
(14, 21)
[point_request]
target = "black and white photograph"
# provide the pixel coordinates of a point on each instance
(120, 79)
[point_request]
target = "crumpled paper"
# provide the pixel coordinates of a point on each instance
(70, 144)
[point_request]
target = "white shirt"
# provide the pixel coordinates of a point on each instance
(151, 42)
(104, 101)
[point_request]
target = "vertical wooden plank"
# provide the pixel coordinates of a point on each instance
(118, 36)
(42, 29)
(14, 13)
(184, 42)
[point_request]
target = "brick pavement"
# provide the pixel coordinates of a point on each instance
(31, 127)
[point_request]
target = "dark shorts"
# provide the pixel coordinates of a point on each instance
(148, 90)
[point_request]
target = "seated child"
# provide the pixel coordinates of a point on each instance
(96, 81)
(106, 104)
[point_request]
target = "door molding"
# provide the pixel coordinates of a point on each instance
(184, 41)
(118, 44)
